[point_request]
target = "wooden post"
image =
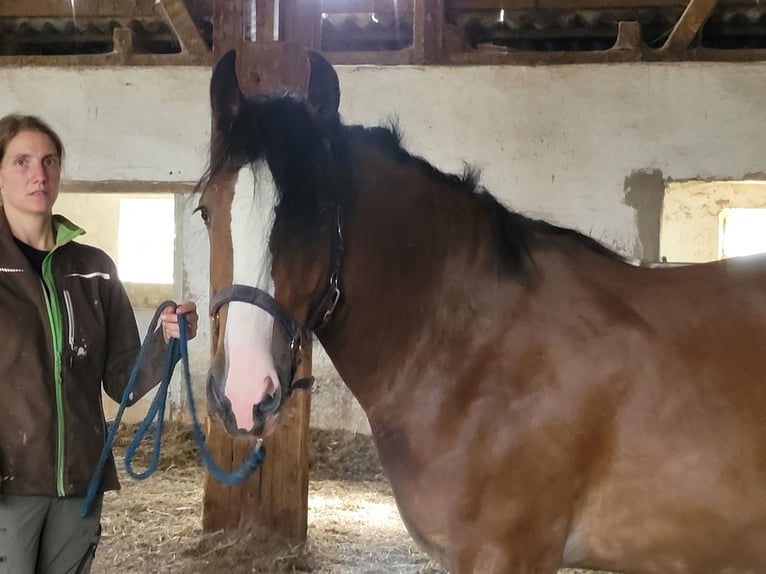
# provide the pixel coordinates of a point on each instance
(276, 496)
(428, 31)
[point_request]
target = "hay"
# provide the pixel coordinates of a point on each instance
(155, 526)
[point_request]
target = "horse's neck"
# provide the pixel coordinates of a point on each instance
(415, 275)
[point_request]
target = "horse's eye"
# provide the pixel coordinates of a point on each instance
(204, 214)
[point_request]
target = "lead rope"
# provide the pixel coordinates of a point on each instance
(177, 350)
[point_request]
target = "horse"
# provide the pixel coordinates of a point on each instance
(536, 400)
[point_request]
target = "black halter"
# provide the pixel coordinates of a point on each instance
(295, 333)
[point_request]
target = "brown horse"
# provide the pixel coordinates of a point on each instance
(537, 402)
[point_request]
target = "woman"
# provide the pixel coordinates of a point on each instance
(68, 328)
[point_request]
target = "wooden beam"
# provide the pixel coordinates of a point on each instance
(377, 6)
(691, 21)
(82, 8)
(383, 58)
(96, 60)
(186, 31)
(125, 186)
(511, 6)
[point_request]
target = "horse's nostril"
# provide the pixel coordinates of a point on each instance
(270, 403)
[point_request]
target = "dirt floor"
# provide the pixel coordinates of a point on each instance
(155, 527)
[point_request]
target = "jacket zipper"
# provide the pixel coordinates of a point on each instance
(54, 317)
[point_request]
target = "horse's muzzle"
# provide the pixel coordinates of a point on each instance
(219, 407)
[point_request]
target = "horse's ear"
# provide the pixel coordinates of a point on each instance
(324, 90)
(226, 99)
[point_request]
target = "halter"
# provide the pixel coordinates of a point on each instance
(295, 333)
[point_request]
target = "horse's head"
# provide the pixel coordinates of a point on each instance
(269, 205)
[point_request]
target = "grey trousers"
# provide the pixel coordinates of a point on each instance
(45, 535)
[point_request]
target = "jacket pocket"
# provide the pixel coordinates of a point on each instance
(70, 318)
(70, 326)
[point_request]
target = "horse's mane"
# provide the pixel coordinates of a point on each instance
(299, 151)
(514, 233)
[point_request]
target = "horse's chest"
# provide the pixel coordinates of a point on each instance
(424, 518)
(418, 493)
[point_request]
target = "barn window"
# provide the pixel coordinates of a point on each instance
(145, 240)
(741, 232)
(137, 230)
(708, 220)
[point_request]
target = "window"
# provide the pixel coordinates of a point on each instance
(137, 231)
(709, 220)
(741, 232)
(145, 240)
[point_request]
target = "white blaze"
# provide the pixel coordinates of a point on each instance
(250, 372)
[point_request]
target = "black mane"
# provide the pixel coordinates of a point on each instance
(312, 161)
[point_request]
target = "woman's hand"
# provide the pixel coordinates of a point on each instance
(169, 321)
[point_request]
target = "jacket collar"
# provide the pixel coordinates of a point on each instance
(64, 230)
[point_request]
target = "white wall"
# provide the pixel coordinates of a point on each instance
(553, 142)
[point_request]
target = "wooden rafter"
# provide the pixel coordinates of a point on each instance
(436, 39)
(689, 24)
(186, 31)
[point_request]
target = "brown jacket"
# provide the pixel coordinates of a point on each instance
(61, 338)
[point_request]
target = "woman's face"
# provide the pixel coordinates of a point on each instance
(30, 172)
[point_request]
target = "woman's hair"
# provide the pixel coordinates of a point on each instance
(12, 124)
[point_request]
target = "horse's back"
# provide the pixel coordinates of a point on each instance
(683, 488)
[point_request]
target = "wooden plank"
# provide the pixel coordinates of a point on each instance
(691, 21)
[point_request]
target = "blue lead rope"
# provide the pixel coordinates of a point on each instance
(177, 350)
